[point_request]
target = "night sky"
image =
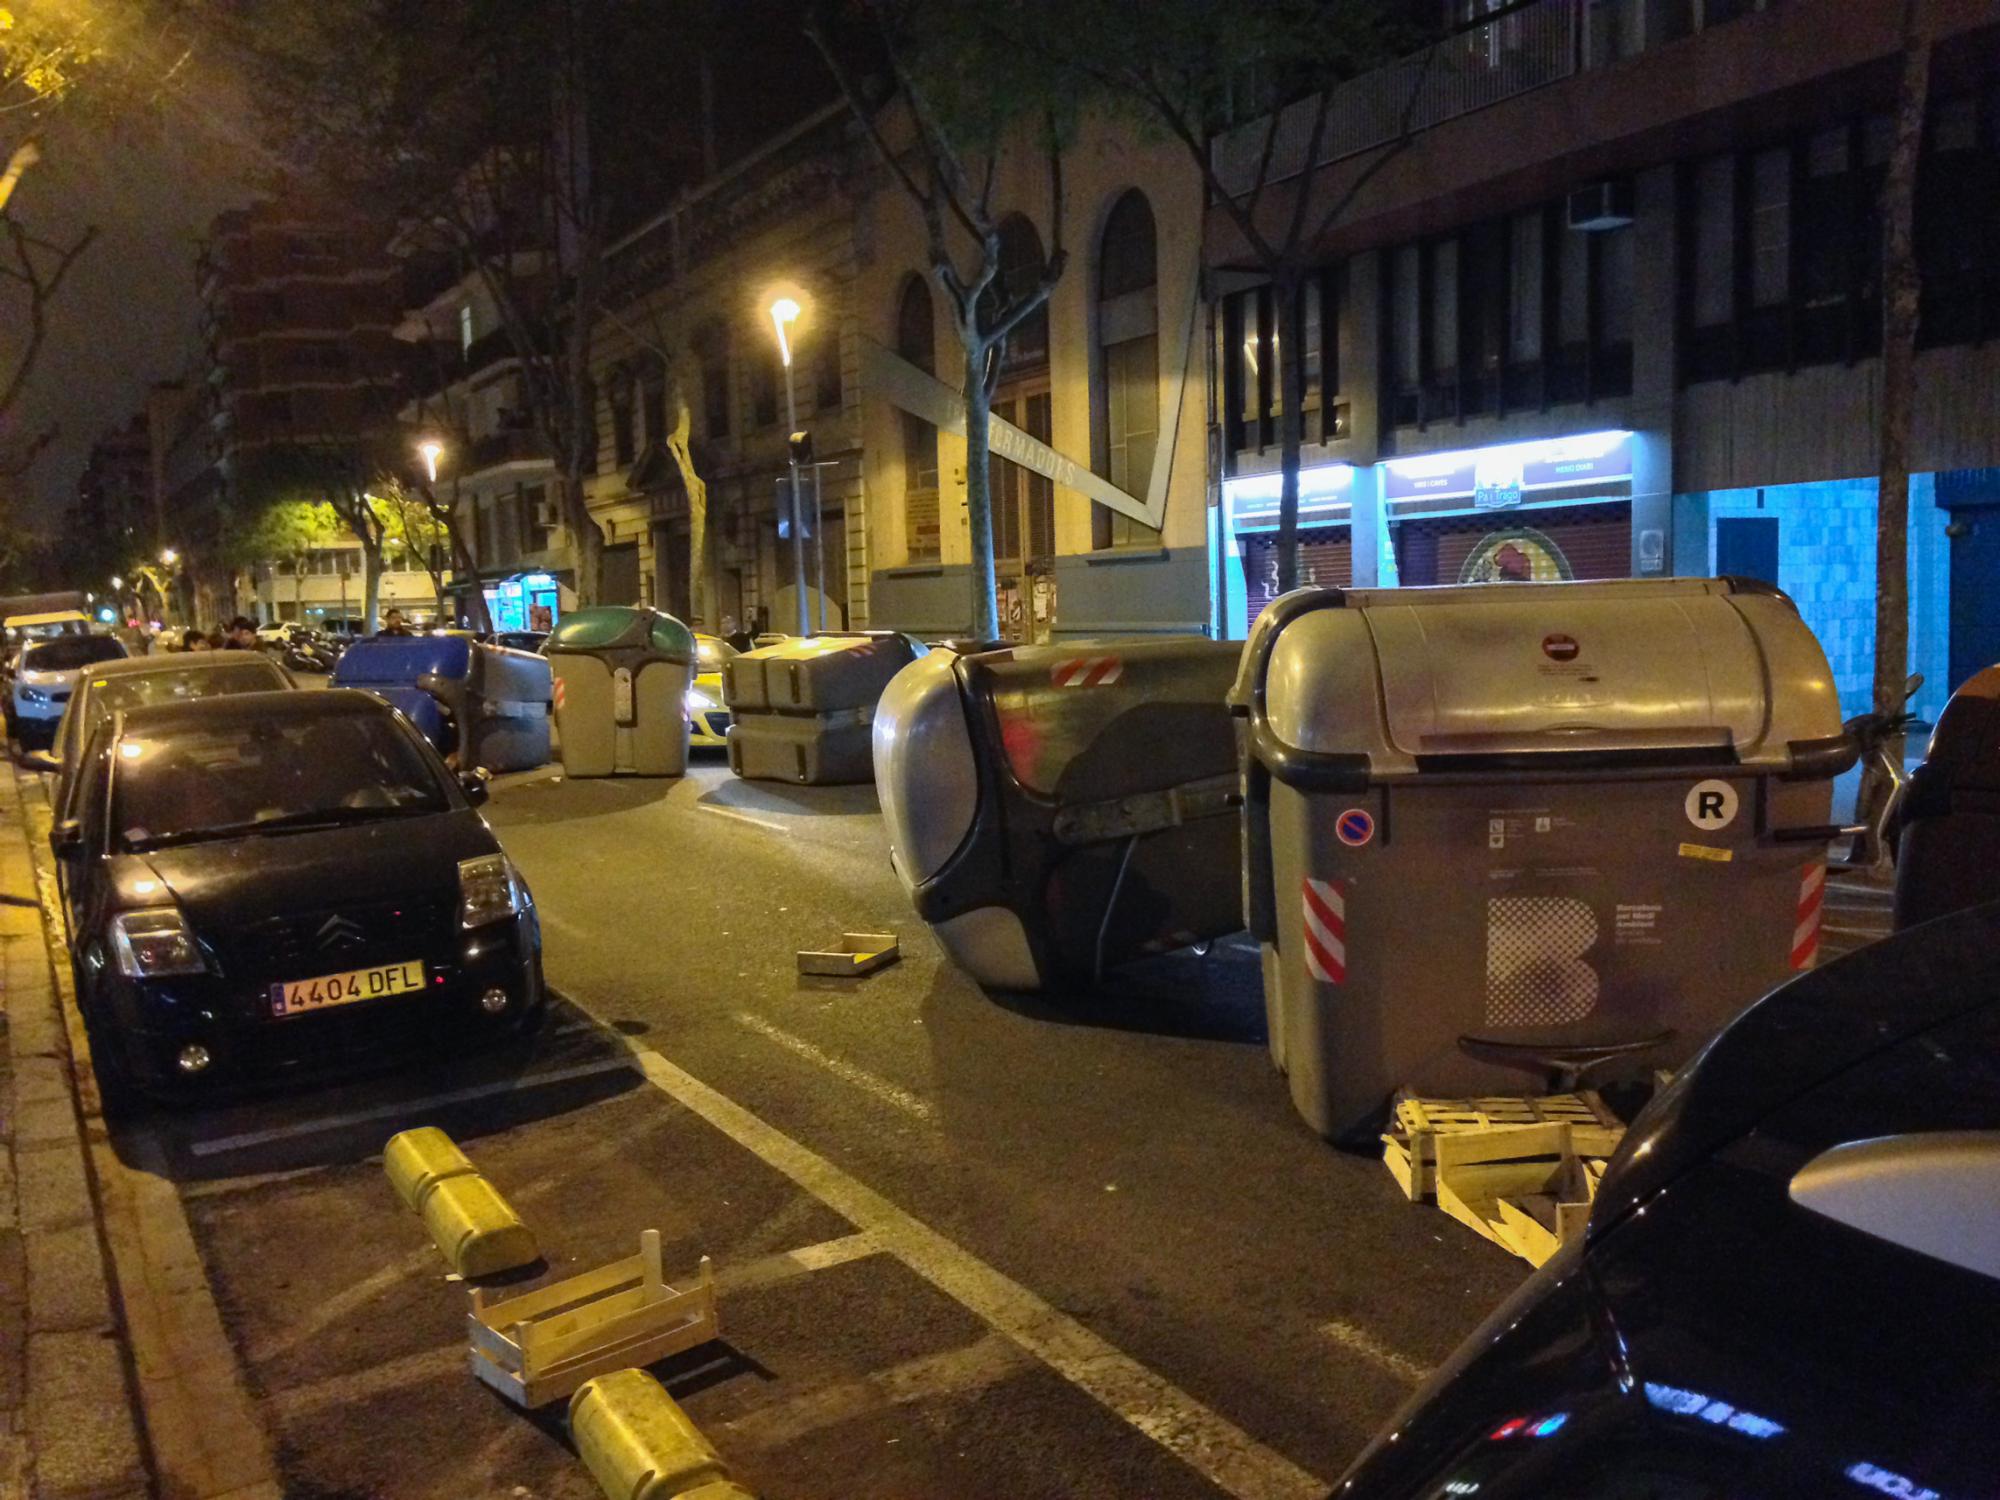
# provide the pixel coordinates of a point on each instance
(126, 317)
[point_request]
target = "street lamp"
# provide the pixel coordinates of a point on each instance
(431, 448)
(169, 557)
(117, 582)
(784, 312)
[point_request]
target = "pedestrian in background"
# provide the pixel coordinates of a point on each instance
(392, 624)
(193, 640)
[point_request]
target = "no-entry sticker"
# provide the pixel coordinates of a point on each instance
(1355, 827)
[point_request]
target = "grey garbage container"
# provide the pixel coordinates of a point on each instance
(621, 683)
(1945, 859)
(1513, 826)
(800, 710)
(1056, 811)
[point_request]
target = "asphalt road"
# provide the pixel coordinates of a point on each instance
(967, 1247)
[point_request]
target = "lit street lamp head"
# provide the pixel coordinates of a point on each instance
(784, 310)
(170, 557)
(430, 448)
(117, 582)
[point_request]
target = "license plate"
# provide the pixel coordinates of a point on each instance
(297, 996)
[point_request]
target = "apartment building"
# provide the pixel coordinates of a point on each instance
(1614, 308)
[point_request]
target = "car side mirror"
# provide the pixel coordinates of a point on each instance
(476, 784)
(66, 837)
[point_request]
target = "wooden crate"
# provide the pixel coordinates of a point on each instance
(1409, 1150)
(539, 1347)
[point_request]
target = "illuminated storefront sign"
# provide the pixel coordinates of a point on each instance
(1252, 500)
(527, 601)
(1492, 478)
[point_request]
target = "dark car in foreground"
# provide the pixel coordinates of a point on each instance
(1790, 1286)
(275, 883)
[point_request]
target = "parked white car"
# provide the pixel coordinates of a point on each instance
(44, 680)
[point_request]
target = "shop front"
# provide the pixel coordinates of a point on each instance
(524, 601)
(1537, 511)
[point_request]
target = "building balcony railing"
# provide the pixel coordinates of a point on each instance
(1517, 48)
(511, 446)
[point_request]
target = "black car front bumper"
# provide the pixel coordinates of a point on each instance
(151, 1023)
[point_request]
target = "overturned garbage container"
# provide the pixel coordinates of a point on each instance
(621, 682)
(486, 704)
(800, 710)
(1950, 817)
(1537, 827)
(1055, 811)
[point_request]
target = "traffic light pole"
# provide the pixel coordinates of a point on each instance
(798, 530)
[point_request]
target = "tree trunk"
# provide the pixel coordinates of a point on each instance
(371, 586)
(1289, 289)
(1900, 308)
(701, 555)
(979, 489)
(586, 542)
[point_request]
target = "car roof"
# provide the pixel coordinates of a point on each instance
(180, 661)
(246, 708)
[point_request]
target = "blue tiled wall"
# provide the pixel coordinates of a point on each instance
(1826, 562)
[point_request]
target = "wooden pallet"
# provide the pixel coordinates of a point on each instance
(539, 1347)
(1524, 1187)
(1409, 1150)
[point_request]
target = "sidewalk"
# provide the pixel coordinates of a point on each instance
(69, 1423)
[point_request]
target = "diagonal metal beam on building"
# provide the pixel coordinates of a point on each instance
(902, 384)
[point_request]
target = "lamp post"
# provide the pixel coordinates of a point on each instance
(784, 311)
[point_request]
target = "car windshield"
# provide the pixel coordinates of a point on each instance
(106, 696)
(710, 653)
(67, 653)
(196, 782)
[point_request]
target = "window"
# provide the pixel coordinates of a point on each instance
(1021, 267)
(916, 341)
(623, 448)
(826, 361)
(712, 350)
(465, 328)
(765, 373)
(1524, 291)
(1770, 227)
(653, 402)
(482, 525)
(534, 531)
(1128, 393)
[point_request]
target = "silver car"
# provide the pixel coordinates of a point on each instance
(45, 677)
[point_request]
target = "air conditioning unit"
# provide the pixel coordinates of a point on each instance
(545, 513)
(1601, 205)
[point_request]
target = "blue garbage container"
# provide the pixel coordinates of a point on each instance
(488, 704)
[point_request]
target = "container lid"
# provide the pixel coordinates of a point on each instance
(608, 627)
(1625, 672)
(402, 659)
(811, 647)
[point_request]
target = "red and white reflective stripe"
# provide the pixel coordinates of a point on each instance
(1805, 927)
(1087, 671)
(559, 692)
(1325, 904)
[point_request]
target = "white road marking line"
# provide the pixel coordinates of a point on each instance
(220, 1187)
(742, 817)
(1357, 1340)
(215, 1145)
(842, 1069)
(423, 1367)
(1201, 1438)
(563, 924)
(956, 1372)
(787, 1264)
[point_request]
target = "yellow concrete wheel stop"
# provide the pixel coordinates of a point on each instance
(475, 1228)
(639, 1445)
(417, 1160)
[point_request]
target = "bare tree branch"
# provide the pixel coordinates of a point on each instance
(42, 283)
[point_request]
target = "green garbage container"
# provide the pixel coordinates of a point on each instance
(621, 682)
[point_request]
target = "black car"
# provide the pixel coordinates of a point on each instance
(277, 882)
(1790, 1286)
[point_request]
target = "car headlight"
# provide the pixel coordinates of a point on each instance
(155, 942)
(33, 694)
(699, 702)
(489, 889)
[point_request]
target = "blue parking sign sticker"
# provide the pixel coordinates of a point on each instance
(1355, 827)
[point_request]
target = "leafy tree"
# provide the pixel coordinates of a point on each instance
(287, 529)
(412, 525)
(968, 95)
(1193, 68)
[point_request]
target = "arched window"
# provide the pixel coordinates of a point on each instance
(1021, 267)
(1128, 367)
(916, 341)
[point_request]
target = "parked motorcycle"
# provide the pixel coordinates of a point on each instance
(311, 654)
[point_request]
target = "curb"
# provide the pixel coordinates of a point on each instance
(70, 1421)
